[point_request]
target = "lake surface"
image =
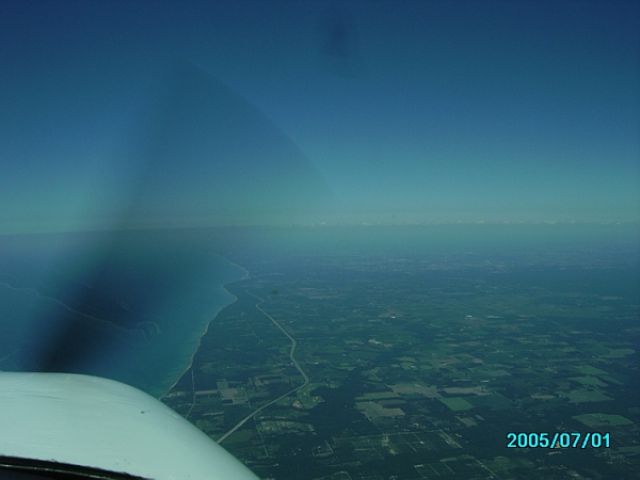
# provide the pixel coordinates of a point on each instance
(132, 309)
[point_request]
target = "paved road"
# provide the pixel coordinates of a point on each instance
(292, 351)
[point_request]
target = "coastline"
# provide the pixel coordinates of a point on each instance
(245, 275)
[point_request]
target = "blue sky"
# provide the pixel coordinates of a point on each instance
(403, 111)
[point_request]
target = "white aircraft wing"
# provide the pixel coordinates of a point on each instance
(60, 420)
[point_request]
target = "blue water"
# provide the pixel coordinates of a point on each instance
(132, 310)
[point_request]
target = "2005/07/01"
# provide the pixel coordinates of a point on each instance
(558, 440)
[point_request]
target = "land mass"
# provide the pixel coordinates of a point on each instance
(364, 366)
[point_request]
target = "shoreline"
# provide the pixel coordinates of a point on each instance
(246, 274)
